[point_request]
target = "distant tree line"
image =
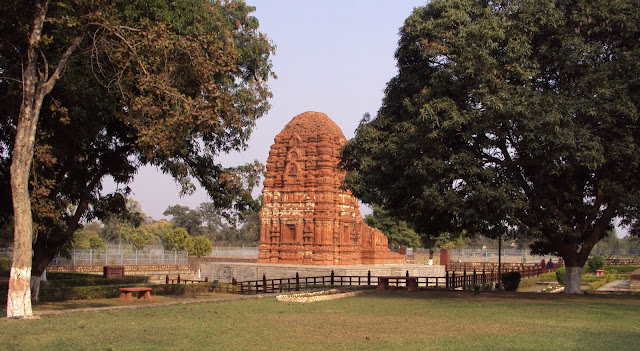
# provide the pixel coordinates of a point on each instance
(193, 230)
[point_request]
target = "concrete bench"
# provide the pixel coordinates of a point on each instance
(143, 293)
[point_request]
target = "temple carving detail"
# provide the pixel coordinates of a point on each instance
(307, 218)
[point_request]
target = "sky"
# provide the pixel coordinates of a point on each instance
(332, 56)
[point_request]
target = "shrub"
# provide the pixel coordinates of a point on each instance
(70, 275)
(95, 280)
(595, 263)
(4, 264)
(201, 246)
(488, 287)
(510, 280)
(597, 284)
(560, 275)
(48, 293)
(621, 269)
(527, 282)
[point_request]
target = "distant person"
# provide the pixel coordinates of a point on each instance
(550, 264)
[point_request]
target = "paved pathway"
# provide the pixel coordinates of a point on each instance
(615, 286)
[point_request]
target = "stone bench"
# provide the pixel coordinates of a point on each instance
(143, 293)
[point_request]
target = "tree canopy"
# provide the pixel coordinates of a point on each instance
(398, 232)
(509, 116)
(112, 86)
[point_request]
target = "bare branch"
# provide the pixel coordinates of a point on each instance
(62, 64)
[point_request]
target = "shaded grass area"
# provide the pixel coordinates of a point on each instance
(426, 320)
(47, 307)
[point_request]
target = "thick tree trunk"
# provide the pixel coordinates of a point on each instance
(19, 297)
(35, 86)
(572, 280)
(41, 259)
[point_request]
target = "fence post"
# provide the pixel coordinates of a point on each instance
(297, 282)
(178, 278)
(368, 277)
(264, 283)
(464, 278)
(475, 282)
(446, 280)
(332, 277)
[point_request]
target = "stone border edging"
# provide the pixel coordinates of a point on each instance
(317, 296)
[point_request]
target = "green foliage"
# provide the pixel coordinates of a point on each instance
(397, 231)
(177, 239)
(78, 293)
(96, 242)
(504, 115)
(201, 246)
(93, 280)
(171, 84)
(65, 275)
(528, 282)
(595, 263)
(510, 280)
(183, 216)
(560, 274)
(4, 265)
(595, 285)
(621, 269)
(139, 241)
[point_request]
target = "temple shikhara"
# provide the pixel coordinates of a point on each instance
(307, 218)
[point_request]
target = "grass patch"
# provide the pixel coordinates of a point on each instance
(433, 320)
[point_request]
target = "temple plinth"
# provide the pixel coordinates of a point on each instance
(307, 218)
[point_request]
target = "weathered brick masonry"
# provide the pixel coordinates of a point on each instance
(307, 219)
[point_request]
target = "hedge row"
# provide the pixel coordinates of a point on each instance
(49, 294)
(94, 280)
(621, 269)
(111, 291)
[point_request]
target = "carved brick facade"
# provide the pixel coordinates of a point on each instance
(307, 218)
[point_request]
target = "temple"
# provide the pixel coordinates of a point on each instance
(307, 218)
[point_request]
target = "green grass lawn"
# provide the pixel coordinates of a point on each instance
(425, 320)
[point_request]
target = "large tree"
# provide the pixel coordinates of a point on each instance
(510, 116)
(398, 232)
(97, 88)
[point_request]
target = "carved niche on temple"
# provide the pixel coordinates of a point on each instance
(307, 218)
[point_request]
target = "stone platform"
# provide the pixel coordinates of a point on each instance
(225, 271)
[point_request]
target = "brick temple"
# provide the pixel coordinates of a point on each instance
(307, 218)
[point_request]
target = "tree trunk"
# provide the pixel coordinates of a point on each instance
(35, 86)
(572, 280)
(40, 261)
(19, 299)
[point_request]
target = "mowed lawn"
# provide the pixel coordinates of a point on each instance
(396, 320)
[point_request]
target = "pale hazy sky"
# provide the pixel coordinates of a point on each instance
(332, 56)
